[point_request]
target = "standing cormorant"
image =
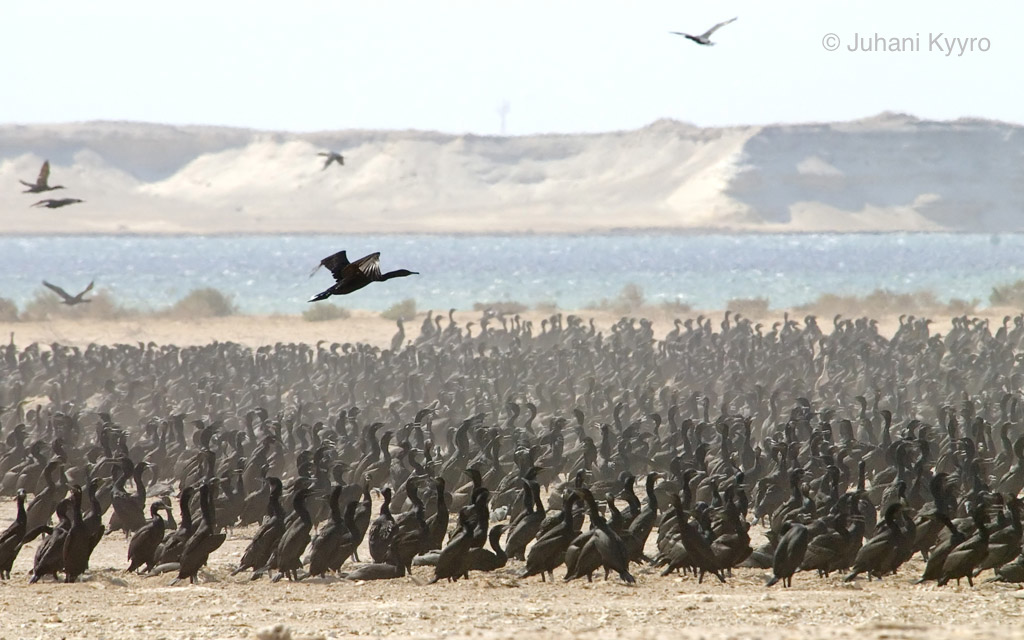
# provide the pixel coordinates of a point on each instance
(142, 548)
(11, 540)
(78, 542)
(789, 553)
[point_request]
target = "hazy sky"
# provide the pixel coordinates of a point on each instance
(562, 66)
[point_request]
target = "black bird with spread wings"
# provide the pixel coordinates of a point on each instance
(69, 299)
(352, 276)
(50, 203)
(704, 38)
(42, 182)
(332, 156)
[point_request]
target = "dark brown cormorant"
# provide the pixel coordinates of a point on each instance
(382, 530)
(1012, 572)
(964, 557)
(51, 203)
(938, 554)
(332, 156)
(481, 559)
(42, 181)
(1004, 543)
(525, 529)
(612, 551)
(296, 538)
(352, 276)
(704, 38)
(325, 547)
(438, 522)
(449, 563)
(142, 548)
(640, 528)
(363, 513)
(11, 539)
(267, 537)
(789, 553)
(78, 542)
(129, 508)
(879, 555)
(94, 519)
(45, 502)
(169, 551)
(693, 549)
(49, 558)
(548, 552)
(203, 542)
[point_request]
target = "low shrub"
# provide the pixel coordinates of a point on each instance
(507, 307)
(203, 303)
(630, 298)
(406, 310)
(1010, 295)
(750, 307)
(8, 310)
(324, 312)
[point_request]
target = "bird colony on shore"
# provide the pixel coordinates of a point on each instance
(528, 449)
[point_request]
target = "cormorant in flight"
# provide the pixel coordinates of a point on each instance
(704, 38)
(352, 276)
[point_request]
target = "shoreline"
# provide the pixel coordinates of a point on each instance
(368, 327)
(596, 231)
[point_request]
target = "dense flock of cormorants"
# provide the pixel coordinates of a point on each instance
(527, 448)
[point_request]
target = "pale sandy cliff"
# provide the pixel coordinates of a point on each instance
(891, 172)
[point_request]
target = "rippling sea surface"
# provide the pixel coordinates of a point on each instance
(270, 273)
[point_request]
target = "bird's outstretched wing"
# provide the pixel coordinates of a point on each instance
(369, 266)
(335, 264)
(60, 292)
(332, 156)
(46, 203)
(680, 33)
(707, 34)
(88, 289)
(44, 173)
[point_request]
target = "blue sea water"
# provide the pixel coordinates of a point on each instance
(270, 273)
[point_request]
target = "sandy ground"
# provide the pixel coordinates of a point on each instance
(362, 326)
(112, 604)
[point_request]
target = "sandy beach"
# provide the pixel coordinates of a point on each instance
(366, 326)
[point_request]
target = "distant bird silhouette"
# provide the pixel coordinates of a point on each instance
(69, 299)
(352, 276)
(50, 203)
(704, 38)
(332, 156)
(42, 181)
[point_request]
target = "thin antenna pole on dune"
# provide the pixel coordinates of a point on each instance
(503, 110)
